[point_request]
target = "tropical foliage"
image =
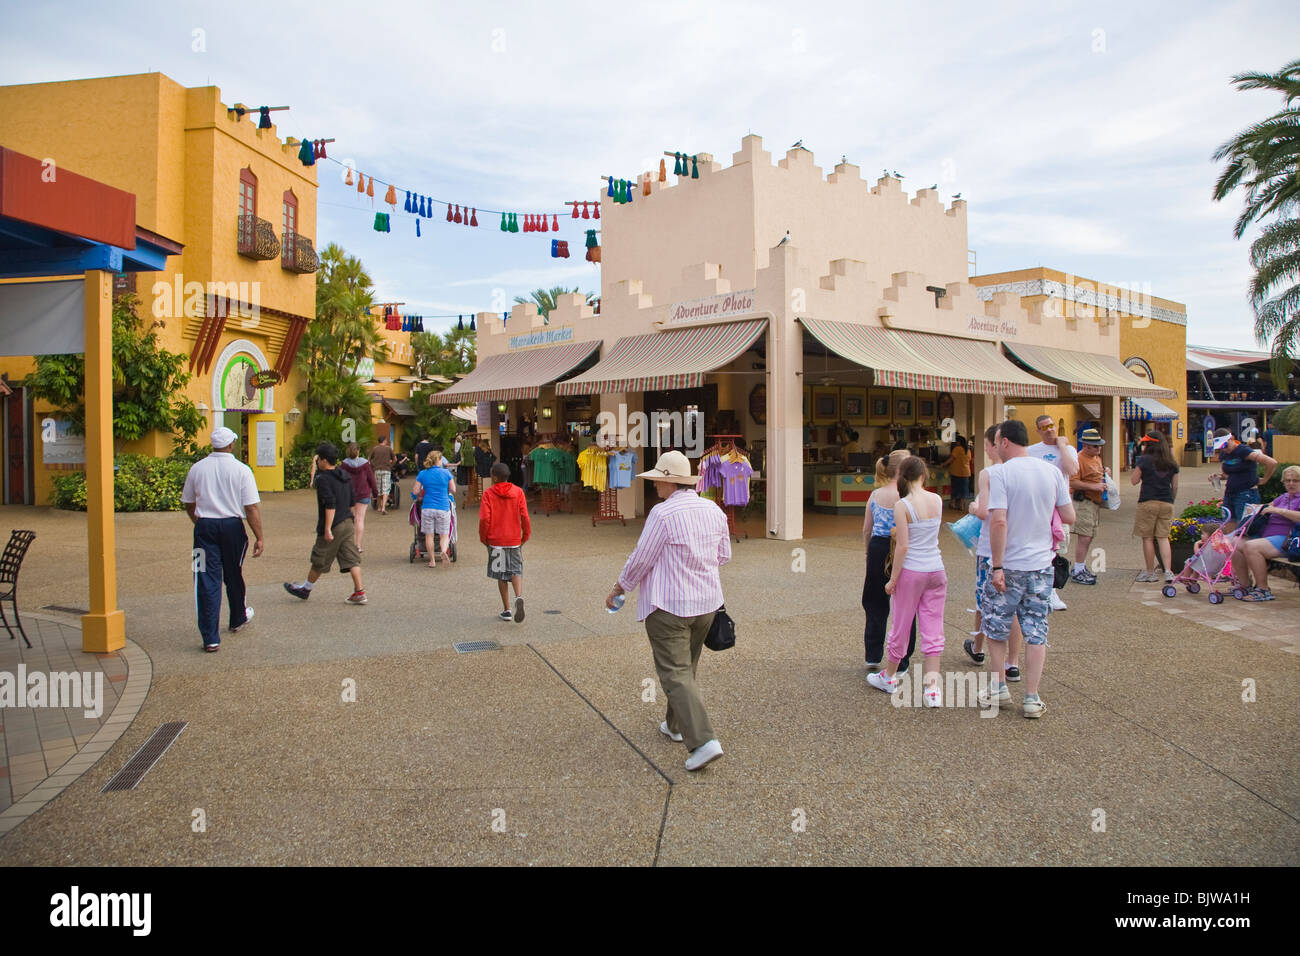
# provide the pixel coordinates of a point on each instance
(1263, 160)
(140, 483)
(342, 335)
(148, 383)
(546, 299)
(450, 355)
(1287, 420)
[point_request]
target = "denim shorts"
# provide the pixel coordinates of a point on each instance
(1236, 501)
(1276, 540)
(1028, 597)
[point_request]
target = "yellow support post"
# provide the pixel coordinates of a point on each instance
(104, 629)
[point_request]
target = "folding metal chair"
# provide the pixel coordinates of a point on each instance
(11, 562)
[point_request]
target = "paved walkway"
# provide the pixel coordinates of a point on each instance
(336, 734)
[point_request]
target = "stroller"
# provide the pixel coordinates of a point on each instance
(418, 549)
(1212, 565)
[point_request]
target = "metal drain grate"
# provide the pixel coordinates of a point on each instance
(469, 647)
(129, 777)
(552, 612)
(65, 610)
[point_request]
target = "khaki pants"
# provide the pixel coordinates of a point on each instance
(676, 643)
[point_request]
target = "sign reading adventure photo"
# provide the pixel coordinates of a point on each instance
(988, 325)
(714, 307)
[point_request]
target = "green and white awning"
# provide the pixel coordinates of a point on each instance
(676, 358)
(940, 363)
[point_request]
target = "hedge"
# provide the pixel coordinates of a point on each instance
(140, 483)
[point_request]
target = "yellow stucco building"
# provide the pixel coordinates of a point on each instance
(240, 295)
(1152, 344)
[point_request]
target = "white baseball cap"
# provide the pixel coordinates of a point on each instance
(223, 437)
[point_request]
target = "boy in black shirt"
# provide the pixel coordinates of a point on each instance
(334, 540)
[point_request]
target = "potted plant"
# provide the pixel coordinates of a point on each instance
(1185, 530)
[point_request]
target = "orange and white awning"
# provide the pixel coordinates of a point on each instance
(1086, 373)
(512, 375)
(676, 358)
(940, 363)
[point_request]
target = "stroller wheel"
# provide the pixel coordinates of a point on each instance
(1216, 597)
(1239, 593)
(412, 552)
(1194, 587)
(451, 552)
(1169, 590)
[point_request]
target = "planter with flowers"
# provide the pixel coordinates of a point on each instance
(1185, 530)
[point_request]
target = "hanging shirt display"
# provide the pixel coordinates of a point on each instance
(594, 465)
(735, 482)
(622, 467)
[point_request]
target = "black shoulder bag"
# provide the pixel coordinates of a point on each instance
(722, 633)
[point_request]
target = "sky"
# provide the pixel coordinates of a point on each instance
(1080, 134)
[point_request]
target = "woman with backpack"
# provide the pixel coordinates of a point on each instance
(1157, 472)
(364, 488)
(917, 583)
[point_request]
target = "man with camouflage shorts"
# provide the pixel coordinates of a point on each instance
(1023, 492)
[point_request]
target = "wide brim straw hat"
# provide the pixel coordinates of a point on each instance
(672, 466)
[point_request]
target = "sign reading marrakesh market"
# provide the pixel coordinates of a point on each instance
(714, 307)
(542, 337)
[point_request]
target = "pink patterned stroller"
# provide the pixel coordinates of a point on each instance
(1212, 565)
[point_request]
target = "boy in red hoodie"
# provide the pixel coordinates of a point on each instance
(504, 527)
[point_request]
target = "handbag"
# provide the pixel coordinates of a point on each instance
(1060, 572)
(1291, 546)
(1256, 523)
(722, 632)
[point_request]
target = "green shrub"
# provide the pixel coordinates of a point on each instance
(140, 483)
(1287, 420)
(297, 469)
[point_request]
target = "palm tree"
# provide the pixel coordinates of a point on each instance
(546, 299)
(1264, 160)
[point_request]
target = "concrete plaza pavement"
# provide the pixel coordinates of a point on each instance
(551, 739)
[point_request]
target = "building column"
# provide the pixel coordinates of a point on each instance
(784, 429)
(1112, 430)
(614, 419)
(104, 629)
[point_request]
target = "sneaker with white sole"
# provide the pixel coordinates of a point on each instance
(1083, 576)
(505, 616)
(1148, 577)
(881, 681)
(663, 729)
(248, 619)
(1033, 706)
(1169, 576)
(703, 754)
(968, 646)
(358, 597)
(1056, 603)
(1013, 673)
(519, 609)
(995, 692)
(933, 697)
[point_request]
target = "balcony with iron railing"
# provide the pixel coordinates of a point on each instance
(297, 254)
(256, 238)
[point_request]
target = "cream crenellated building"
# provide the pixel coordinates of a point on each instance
(789, 307)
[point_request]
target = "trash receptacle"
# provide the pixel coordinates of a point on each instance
(1192, 454)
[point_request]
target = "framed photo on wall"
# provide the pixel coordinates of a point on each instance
(854, 402)
(826, 405)
(904, 407)
(880, 409)
(945, 406)
(926, 408)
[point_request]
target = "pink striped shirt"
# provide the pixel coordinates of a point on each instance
(676, 561)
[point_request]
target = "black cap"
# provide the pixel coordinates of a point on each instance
(328, 451)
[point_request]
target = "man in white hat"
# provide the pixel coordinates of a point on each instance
(219, 494)
(684, 542)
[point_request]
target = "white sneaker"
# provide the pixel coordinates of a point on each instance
(995, 692)
(248, 619)
(879, 681)
(663, 729)
(1057, 603)
(933, 697)
(703, 754)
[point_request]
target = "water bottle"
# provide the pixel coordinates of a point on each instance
(619, 601)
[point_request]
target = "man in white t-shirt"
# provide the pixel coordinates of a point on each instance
(1055, 450)
(1023, 493)
(219, 494)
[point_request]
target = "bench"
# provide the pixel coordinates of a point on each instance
(1285, 565)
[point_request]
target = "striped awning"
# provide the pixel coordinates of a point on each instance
(676, 358)
(1146, 410)
(941, 363)
(520, 374)
(1086, 373)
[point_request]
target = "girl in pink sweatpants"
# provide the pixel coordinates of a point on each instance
(918, 584)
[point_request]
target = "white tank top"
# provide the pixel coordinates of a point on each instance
(922, 543)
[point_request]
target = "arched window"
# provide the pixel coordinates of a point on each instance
(289, 215)
(247, 207)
